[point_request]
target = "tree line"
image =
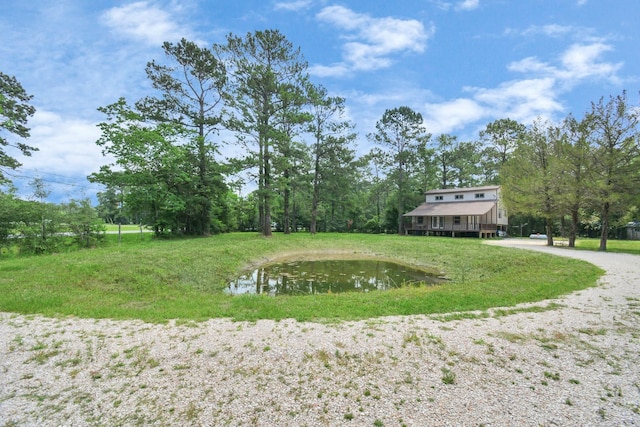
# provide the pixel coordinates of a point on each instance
(253, 96)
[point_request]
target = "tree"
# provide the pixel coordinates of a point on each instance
(615, 139)
(501, 137)
(466, 159)
(574, 156)
(529, 176)
(85, 226)
(110, 205)
(154, 165)
(331, 136)
(444, 159)
(14, 113)
(266, 72)
(191, 96)
(401, 131)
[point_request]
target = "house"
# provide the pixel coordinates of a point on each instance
(633, 230)
(470, 212)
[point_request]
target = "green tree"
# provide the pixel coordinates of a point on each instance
(14, 114)
(530, 176)
(154, 165)
(466, 160)
(332, 135)
(400, 132)
(110, 205)
(445, 159)
(86, 227)
(616, 154)
(575, 158)
(265, 72)
(191, 96)
(501, 138)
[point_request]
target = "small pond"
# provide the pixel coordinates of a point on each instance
(329, 276)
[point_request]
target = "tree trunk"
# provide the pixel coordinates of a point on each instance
(549, 230)
(287, 214)
(316, 195)
(266, 231)
(573, 231)
(604, 233)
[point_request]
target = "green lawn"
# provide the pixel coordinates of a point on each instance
(157, 280)
(620, 246)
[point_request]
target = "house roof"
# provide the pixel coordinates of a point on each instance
(462, 190)
(452, 208)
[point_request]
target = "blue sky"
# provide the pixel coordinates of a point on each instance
(460, 63)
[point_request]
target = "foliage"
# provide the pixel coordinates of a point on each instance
(502, 137)
(615, 141)
(155, 167)
(266, 88)
(86, 228)
(581, 171)
(333, 159)
(401, 133)
(191, 93)
(14, 113)
(529, 179)
(157, 280)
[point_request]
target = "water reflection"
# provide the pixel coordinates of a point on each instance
(328, 276)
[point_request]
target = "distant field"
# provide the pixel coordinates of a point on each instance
(110, 228)
(622, 246)
(156, 280)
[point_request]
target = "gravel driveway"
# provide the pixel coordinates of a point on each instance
(575, 363)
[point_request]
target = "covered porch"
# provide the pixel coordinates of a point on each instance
(454, 219)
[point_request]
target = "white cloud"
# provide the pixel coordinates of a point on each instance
(536, 95)
(63, 144)
(371, 42)
(144, 21)
(451, 115)
(468, 5)
(293, 5)
(578, 62)
(581, 61)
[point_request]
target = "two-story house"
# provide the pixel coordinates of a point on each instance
(470, 212)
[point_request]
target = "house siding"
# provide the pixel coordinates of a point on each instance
(458, 200)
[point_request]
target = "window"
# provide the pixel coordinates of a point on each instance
(420, 219)
(479, 195)
(437, 222)
(438, 197)
(459, 196)
(456, 220)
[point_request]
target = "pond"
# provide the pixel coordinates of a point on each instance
(329, 276)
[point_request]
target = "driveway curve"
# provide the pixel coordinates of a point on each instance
(573, 361)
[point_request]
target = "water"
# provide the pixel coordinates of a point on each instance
(329, 276)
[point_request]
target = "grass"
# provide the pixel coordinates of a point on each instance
(158, 280)
(618, 246)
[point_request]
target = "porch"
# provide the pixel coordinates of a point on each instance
(481, 230)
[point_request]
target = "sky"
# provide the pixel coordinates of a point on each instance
(460, 63)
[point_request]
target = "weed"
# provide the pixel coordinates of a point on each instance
(448, 376)
(348, 416)
(553, 376)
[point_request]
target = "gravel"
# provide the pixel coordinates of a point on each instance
(572, 363)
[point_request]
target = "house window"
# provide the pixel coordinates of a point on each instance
(438, 198)
(459, 196)
(456, 220)
(437, 222)
(479, 195)
(420, 219)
